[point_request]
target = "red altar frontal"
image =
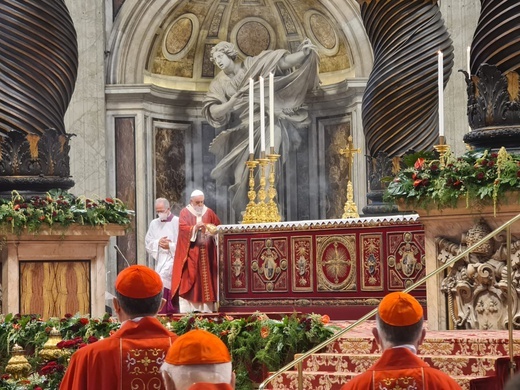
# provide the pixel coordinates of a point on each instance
(337, 267)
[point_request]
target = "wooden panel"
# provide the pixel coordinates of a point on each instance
(54, 288)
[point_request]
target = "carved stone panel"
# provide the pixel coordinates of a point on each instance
(477, 287)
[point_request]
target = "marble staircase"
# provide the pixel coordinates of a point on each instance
(477, 360)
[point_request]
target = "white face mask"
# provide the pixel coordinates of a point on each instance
(198, 209)
(163, 216)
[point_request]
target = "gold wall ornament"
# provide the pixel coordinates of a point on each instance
(18, 366)
(50, 350)
(350, 209)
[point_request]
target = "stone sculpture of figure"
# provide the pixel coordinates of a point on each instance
(226, 107)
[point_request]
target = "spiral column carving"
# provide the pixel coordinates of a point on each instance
(493, 86)
(401, 99)
(497, 37)
(39, 65)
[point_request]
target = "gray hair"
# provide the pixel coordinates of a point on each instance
(399, 335)
(187, 375)
(162, 201)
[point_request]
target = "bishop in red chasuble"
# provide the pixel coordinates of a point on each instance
(195, 267)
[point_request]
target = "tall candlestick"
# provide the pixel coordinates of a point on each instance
(251, 117)
(262, 116)
(271, 111)
(440, 63)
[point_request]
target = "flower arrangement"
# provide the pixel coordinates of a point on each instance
(257, 343)
(60, 208)
(481, 177)
(32, 332)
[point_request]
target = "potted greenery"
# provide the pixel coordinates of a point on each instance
(61, 209)
(476, 179)
(257, 342)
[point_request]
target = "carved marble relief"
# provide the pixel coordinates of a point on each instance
(476, 286)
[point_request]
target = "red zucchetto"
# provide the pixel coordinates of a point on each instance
(138, 282)
(400, 309)
(197, 347)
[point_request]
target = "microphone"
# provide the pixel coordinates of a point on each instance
(123, 256)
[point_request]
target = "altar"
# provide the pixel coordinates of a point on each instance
(339, 267)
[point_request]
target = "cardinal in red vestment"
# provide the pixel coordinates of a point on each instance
(399, 333)
(198, 360)
(132, 356)
(195, 267)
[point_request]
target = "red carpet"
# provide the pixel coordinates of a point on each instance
(478, 360)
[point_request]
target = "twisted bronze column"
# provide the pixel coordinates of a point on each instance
(39, 63)
(400, 104)
(401, 99)
(493, 86)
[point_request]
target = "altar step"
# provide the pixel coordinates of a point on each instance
(475, 359)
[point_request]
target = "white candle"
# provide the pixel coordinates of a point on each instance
(262, 115)
(271, 110)
(441, 93)
(251, 117)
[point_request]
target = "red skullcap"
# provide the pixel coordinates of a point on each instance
(400, 309)
(197, 347)
(138, 282)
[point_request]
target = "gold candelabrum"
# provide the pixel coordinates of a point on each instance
(265, 208)
(350, 209)
(442, 149)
